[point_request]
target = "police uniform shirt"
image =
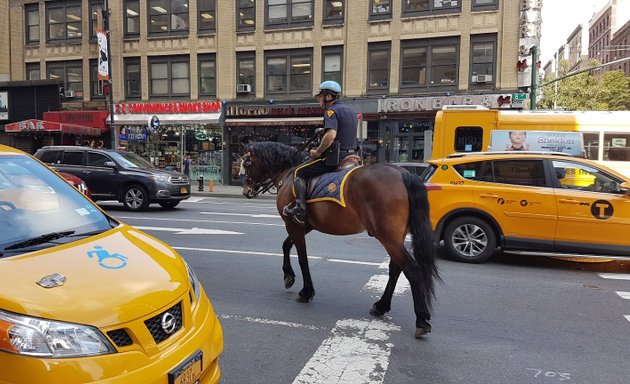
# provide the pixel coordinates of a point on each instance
(342, 119)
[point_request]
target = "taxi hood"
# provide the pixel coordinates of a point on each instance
(111, 278)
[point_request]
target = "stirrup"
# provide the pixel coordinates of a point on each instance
(295, 212)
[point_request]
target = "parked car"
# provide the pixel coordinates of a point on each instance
(532, 203)
(119, 175)
(77, 182)
(86, 298)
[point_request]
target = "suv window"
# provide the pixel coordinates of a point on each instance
(519, 172)
(471, 171)
(584, 178)
(96, 159)
(50, 157)
(72, 157)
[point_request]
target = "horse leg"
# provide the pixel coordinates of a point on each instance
(289, 275)
(297, 234)
(385, 303)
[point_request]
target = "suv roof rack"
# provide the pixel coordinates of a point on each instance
(487, 153)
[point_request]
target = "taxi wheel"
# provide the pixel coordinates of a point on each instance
(469, 239)
(136, 198)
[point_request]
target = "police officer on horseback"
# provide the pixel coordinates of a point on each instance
(339, 140)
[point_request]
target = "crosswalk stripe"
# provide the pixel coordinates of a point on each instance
(615, 276)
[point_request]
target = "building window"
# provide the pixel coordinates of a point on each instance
(289, 73)
(70, 77)
(424, 7)
(207, 15)
(207, 75)
(482, 60)
(428, 63)
(133, 85)
(485, 5)
(378, 66)
(289, 12)
(246, 73)
(334, 11)
(33, 71)
(95, 16)
(168, 16)
(132, 18)
(380, 9)
(246, 14)
(32, 23)
(63, 20)
(332, 64)
(96, 89)
(169, 76)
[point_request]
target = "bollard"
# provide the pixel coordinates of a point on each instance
(200, 181)
(211, 185)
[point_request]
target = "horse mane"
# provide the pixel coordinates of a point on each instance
(275, 156)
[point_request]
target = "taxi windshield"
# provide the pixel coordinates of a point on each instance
(38, 207)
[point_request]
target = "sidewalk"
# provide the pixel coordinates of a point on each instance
(224, 191)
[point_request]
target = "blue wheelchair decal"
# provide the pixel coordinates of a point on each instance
(119, 261)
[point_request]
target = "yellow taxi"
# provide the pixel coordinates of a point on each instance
(87, 299)
(537, 203)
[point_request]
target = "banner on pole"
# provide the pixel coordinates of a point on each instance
(103, 57)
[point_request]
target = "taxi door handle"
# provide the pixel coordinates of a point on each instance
(489, 196)
(568, 201)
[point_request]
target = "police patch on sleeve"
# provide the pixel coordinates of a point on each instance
(330, 113)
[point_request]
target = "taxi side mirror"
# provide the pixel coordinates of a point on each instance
(625, 188)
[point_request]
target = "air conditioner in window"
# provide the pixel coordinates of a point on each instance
(243, 88)
(68, 94)
(481, 78)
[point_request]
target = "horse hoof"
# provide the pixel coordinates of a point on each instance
(376, 312)
(422, 331)
(289, 281)
(303, 299)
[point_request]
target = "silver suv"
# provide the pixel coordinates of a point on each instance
(119, 175)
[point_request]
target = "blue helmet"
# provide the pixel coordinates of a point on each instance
(330, 87)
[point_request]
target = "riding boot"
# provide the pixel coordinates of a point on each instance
(298, 210)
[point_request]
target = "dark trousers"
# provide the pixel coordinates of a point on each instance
(313, 168)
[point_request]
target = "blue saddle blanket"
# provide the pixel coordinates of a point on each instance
(329, 187)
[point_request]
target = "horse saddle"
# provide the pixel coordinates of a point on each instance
(329, 186)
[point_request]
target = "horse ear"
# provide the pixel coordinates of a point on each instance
(243, 147)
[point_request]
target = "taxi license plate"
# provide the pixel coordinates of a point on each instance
(183, 190)
(187, 372)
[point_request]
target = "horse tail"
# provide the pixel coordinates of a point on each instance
(422, 237)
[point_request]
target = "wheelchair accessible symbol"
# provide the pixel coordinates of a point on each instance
(116, 261)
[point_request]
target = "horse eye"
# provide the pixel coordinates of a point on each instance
(247, 163)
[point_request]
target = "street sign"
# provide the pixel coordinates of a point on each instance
(519, 96)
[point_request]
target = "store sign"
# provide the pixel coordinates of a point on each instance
(267, 111)
(416, 104)
(4, 106)
(135, 134)
(179, 107)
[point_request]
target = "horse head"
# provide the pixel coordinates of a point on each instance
(264, 162)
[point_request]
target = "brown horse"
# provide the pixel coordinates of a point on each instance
(384, 200)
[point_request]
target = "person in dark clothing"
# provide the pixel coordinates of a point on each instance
(339, 140)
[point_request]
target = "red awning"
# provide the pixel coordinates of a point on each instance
(33, 125)
(94, 118)
(291, 121)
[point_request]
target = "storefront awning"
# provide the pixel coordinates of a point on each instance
(276, 121)
(166, 118)
(32, 126)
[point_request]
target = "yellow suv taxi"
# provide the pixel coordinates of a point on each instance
(87, 299)
(547, 204)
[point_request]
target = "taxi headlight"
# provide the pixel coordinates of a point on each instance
(194, 281)
(32, 336)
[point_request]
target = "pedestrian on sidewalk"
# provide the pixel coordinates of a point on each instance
(241, 173)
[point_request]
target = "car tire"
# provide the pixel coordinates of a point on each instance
(136, 198)
(169, 204)
(470, 240)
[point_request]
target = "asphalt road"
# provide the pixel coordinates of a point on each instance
(510, 320)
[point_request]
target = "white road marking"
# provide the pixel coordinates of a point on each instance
(623, 295)
(197, 221)
(193, 199)
(357, 353)
(377, 285)
(270, 322)
(255, 215)
(627, 317)
(190, 231)
(615, 276)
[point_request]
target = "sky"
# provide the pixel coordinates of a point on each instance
(560, 18)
